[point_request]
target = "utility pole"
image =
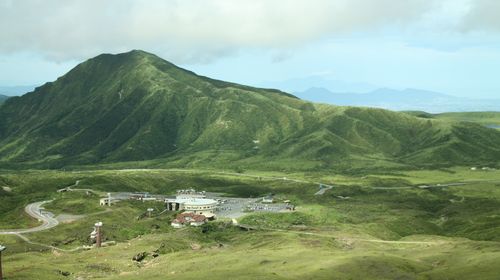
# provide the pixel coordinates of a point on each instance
(2, 248)
(98, 236)
(109, 199)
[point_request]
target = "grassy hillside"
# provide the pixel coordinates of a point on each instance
(387, 228)
(137, 107)
(264, 255)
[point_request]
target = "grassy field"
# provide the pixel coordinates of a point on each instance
(381, 226)
(265, 255)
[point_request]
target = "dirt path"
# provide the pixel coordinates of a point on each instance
(73, 189)
(323, 189)
(27, 240)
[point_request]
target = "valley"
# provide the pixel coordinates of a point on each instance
(367, 222)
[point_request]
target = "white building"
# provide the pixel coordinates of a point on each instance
(192, 201)
(105, 201)
(201, 206)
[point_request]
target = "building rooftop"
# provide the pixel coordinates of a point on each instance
(195, 201)
(189, 217)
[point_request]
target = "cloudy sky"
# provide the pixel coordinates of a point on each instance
(450, 46)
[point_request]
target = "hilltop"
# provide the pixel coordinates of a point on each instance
(135, 106)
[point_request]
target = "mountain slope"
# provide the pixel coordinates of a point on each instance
(3, 98)
(136, 106)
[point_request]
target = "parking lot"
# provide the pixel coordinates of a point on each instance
(236, 207)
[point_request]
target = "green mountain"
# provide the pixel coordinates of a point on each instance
(136, 106)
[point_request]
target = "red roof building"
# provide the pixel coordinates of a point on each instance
(187, 218)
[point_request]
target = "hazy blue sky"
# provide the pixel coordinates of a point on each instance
(451, 46)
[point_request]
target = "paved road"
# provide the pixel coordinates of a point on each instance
(35, 211)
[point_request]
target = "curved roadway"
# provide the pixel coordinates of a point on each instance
(34, 210)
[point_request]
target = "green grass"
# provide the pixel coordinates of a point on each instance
(277, 220)
(76, 203)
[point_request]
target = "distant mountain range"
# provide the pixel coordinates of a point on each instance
(320, 81)
(15, 90)
(136, 109)
(401, 100)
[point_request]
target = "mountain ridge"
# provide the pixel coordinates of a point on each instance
(137, 107)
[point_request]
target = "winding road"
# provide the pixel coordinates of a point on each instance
(36, 211)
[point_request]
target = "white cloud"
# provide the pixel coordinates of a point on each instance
(188, 30)
(483, 15)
